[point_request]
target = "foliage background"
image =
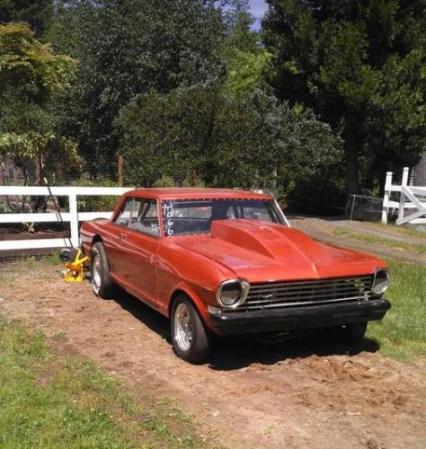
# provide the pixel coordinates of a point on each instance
(319, 103)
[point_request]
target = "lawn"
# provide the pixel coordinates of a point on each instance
(414, 248)
(53, 401)
(402, 333)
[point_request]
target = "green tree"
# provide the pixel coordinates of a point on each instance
(247, 61)
(37, 13)
(204, 134)
(32, 76)
(247, 70)
(361, 66)
(168, 135)
(130, 48)
(239, 21)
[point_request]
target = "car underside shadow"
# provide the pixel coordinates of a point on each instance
(236, 352)
(232, 353)
(143, 313)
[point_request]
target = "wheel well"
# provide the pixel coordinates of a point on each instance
(97, 238)
(177, 293)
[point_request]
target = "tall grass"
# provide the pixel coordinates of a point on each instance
(402, 333)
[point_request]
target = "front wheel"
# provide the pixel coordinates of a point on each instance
(189, 335)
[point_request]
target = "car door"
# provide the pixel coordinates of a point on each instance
(140, 242)
(115, 234)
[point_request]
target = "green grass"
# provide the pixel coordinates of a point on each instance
(402, 231)
(53, 401)
(414, 248)
(402, 333)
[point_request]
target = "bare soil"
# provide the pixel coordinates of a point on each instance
(304, 393)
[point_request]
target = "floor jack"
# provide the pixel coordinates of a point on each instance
(75, 264)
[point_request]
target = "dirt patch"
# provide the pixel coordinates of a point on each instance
(308, 393)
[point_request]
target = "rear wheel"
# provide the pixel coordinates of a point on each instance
(102, 284)
(189, 335)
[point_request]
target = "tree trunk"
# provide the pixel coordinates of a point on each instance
(120, 170)
(37, 175)
(352, 145)
(352, 182)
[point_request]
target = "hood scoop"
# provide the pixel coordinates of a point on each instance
(252, 236)
(274, 241)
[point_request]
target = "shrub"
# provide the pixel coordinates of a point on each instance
(96, 203)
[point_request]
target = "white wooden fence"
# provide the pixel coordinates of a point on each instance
(412, 198)
(73, 216)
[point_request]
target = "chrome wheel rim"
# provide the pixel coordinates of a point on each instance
(96, 272)
(183, 328)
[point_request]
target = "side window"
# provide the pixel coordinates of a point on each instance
(145, 217)
(257, 213)
(126, 212)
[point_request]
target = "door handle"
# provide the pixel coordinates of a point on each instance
(122, 235)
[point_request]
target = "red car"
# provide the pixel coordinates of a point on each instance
(228, 262)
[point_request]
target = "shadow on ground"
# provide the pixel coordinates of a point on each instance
(236, 352)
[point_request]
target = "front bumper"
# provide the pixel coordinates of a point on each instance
(294, 318)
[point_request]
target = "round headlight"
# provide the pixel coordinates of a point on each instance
(232, 293)
(380, 282)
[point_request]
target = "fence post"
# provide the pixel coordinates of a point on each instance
(404, 183)
(75, 240)
(385, 208)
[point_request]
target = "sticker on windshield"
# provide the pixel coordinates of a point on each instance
(169, 219)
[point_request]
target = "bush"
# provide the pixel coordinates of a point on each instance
(164, 181)
(205, 136)
(96, 203)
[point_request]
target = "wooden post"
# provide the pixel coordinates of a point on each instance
(15, 174)
(120, 170)
(404, 183)
(385, 208)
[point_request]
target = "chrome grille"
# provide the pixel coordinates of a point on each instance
(302, 293)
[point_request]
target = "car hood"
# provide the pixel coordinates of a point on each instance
(263, 252)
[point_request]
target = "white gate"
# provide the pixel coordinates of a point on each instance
(73, 216)
(412, 199)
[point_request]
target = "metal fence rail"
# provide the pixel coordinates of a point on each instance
(73, 216)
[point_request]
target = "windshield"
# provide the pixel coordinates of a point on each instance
(186, 217)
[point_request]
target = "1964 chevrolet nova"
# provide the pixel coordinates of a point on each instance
(228, 262)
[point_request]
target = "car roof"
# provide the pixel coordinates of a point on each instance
(176, 193)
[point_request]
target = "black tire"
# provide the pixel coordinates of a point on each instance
(199, 344)
(100, 276)
(352, 334)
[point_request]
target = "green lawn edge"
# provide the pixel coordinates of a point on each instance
(49, 400)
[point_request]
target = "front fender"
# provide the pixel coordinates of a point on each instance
(200, 303)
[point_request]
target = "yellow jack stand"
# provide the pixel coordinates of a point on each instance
(75, 269)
